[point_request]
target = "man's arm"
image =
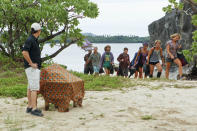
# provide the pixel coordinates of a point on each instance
(138, 54)
(28, 59)
(112, 60)
(89, 59)
(128, 60)
(119, 58)
(149, 54)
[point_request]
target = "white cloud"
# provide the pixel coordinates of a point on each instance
(127, 17)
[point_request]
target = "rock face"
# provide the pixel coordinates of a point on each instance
(174, 22)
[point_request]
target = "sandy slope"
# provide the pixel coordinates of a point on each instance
(118, 110)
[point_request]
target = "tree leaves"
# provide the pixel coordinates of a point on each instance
(173, 5)
(54, 16)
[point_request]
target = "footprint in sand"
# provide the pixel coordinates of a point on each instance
(135, 112)
(166, 112)
(180, 121)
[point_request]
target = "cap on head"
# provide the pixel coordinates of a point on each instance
(36, 26)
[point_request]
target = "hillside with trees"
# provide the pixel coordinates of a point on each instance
(116, 39)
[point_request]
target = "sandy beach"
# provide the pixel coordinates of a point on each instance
(160, 106)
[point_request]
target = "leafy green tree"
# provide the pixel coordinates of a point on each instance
(179, 6)
(57, 17)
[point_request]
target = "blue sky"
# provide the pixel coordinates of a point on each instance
(124, 17)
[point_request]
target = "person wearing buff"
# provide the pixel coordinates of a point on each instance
(95, 58)
(172, 46)
(107, 60)
(124, 62)
(88, 68)
(153, 59)
(141, 58)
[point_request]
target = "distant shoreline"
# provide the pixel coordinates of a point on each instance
(111, 39)
(109, 43)
(117, 39)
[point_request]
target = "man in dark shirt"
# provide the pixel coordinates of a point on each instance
(88, 68)
(32, 63)
(124, 63)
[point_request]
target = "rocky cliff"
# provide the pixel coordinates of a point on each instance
(174, 22)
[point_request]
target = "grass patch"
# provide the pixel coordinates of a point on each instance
(16, 91)
(122, 110)
(99, 116)
(51, 107)
(147, 117)
(82, 118)
(104, 83)
(156, 87)
(106, 98)
(13, 82)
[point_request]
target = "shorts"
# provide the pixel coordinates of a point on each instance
(153, 63)
(33, 77)
(139, 65)
(123, 71)
(88, 69)
(107, 65)
(146, 70)
(96, 69)
(170, 60)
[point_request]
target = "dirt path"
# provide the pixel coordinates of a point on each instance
(136, 109)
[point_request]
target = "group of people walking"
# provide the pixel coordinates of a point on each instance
(94, 62)
(144, 61)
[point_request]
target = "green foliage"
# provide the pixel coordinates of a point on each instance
(56, 17)
(193, 51)
(7, 63)
(188, 54)
(117, 39)
(173, 5)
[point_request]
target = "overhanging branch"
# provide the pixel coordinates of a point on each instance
(52, 36)
(59, 50)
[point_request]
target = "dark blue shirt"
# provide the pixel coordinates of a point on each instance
(32, 46)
